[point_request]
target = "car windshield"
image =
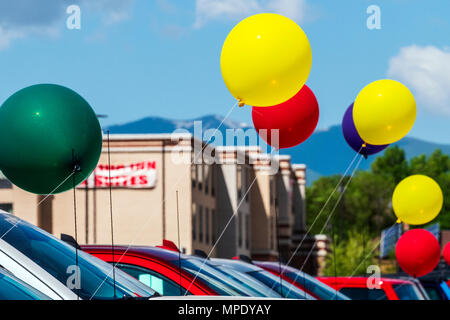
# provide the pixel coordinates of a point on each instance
(433, 293)
(316, 287)
(213, 278)
(285, 289)
(364, 293)
(407, 291)
(60, 260)
(250, 283)
(12, 288)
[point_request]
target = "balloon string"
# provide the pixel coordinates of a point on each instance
(329, 216)
(76, 230)
(367, 256)
(144, 226)
(220, 236)
(111, 216)
(40, 202)
(320, 211)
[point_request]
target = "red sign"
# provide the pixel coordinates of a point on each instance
(135, 175)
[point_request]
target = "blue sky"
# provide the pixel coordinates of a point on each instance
(132, 59)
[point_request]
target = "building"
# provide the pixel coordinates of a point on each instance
(165, 186)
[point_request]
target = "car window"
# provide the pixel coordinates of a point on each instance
(316, 287)
(213, 278)
(14, 289)
(433, 293)
(406, 291)
(258, 289)
(285, 289)
(60, 260)
(364, 293)
(156, 281)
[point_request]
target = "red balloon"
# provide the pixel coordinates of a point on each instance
(295, 119)
(446, 253)
(418, 252)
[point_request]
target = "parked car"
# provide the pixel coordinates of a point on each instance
(302, 280)
(12, 288)
(283, 288)
(48, 264)
(164, 269)
(436, 289)
(356, 288)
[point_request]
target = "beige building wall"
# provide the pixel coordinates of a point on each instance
(209, 194)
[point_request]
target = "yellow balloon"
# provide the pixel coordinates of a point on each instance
(384, 112)
(417, 200)
(265, 60)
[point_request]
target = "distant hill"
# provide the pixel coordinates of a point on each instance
(324, 153)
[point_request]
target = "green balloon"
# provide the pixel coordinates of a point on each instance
(50, 139)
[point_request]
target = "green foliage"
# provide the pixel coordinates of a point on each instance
(392, 165)
(366, 203)
(354, 253)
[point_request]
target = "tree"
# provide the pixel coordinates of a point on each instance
(351, 255)
(392, 165)
(437, 167)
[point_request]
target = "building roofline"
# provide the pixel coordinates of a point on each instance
(149, 136)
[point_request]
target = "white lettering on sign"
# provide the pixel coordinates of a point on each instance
(134, 175)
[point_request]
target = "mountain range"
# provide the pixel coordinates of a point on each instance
(324, 153)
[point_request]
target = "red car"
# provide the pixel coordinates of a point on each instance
(357, 288)
(159, 268)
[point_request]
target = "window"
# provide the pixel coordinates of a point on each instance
(247, 184)
(271, 191)
(247, 231)
(213, 226)
(239, 227)
(364, 293)
(200, 176)
(156, 281)
(239, 181)
(200, 223)
(213, 181)
(207, 225)
(194, 221)
(271, 233)
(6, 207)
(207, 174)
(407, 292)
(194, 175)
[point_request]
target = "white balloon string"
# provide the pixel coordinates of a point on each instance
(329, 216)
(174, 186)
(320, 211)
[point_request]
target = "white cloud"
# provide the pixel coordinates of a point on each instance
(425, 70)
(24, 18)
(209, 10)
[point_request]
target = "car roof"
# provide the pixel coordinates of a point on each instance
(238, 265)
(146, 251)
(362, 280)
(275, 266)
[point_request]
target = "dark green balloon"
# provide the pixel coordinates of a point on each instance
(47, 131)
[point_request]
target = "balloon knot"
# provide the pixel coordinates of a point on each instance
(76, 168)
(398, 221)
(364, 145)
(241, 103)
